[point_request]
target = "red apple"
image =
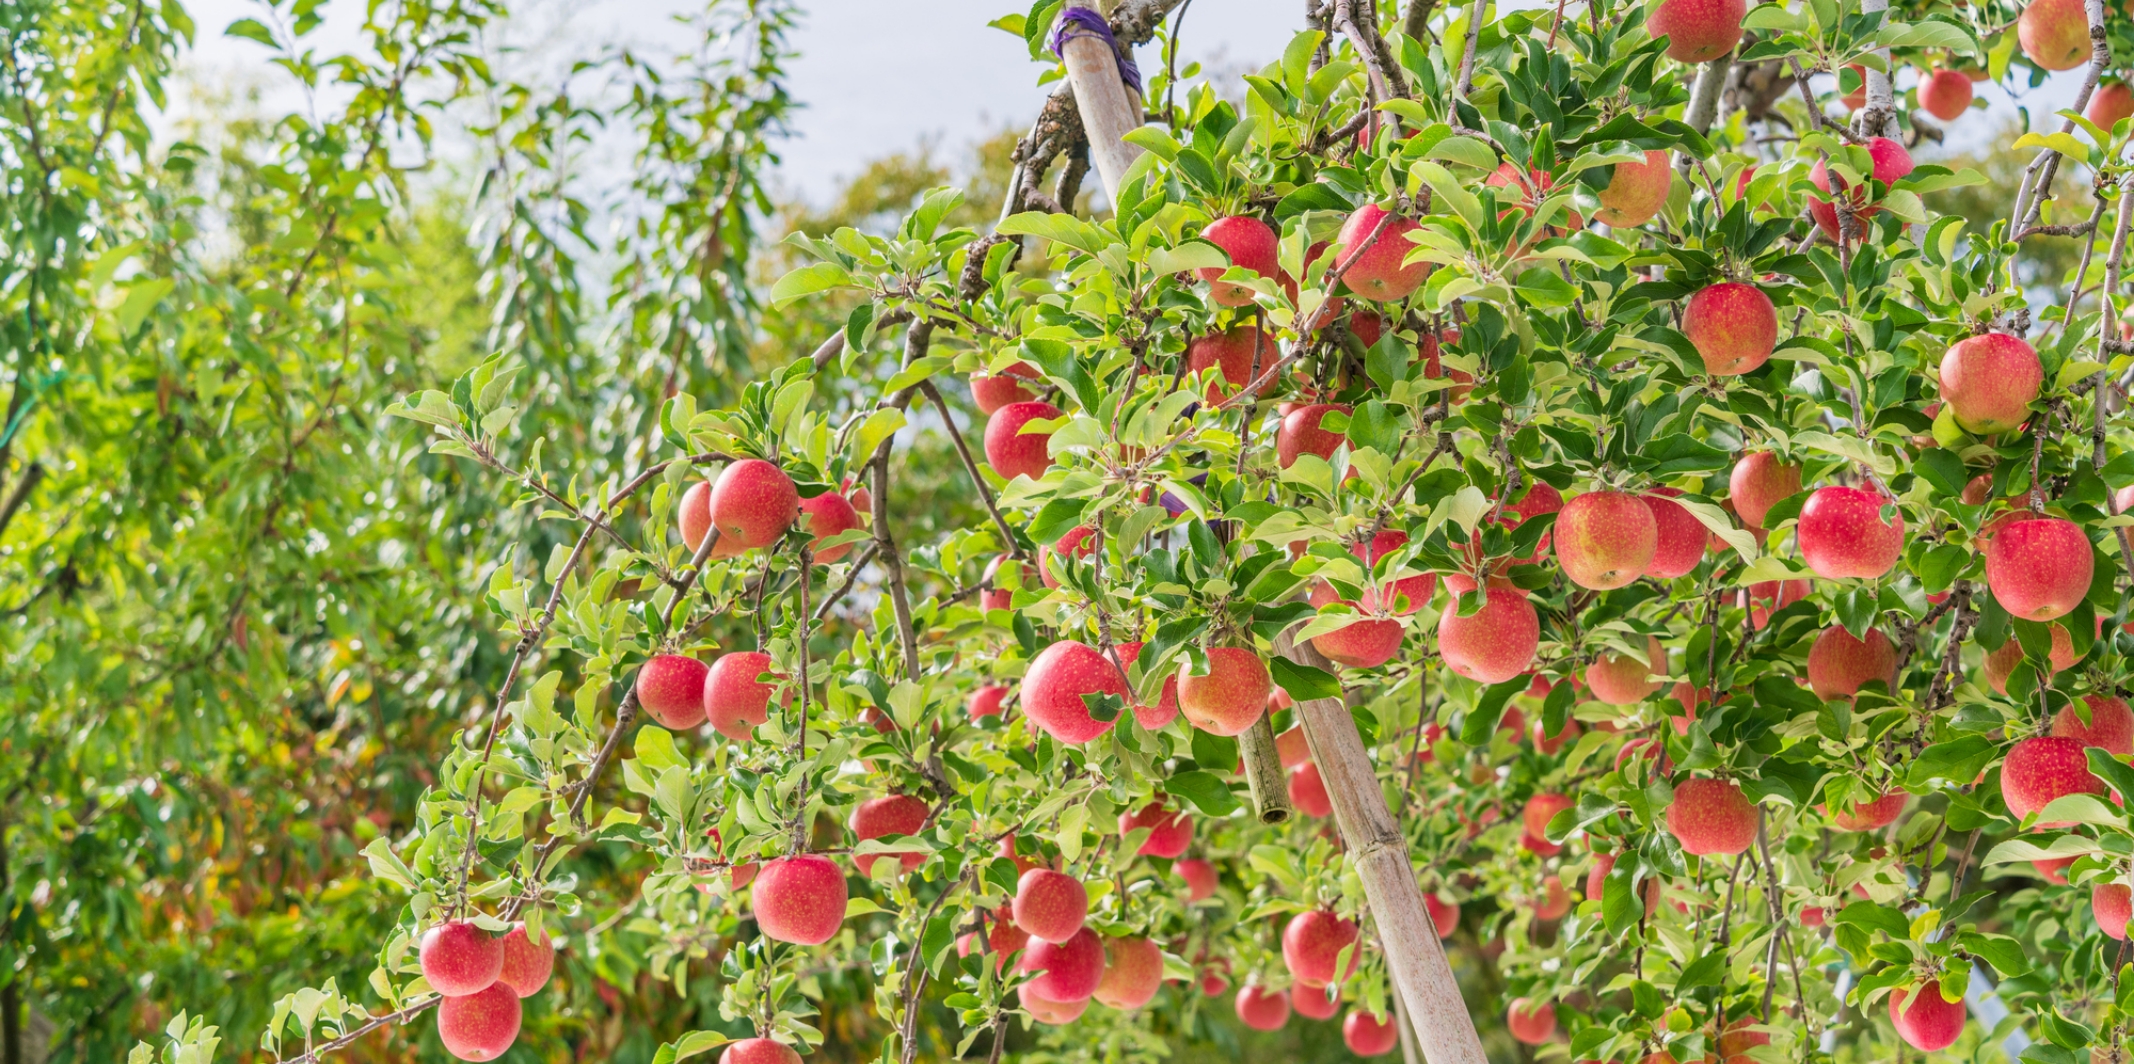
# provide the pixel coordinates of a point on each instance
(1377, 272)
(671, 688)
(1055, 683)
(1924, 1019)
(1868, 816)
(1542, 808)
(1369, 1036)
(734, 700)
(1711, 817)
(1250, 244)
(826, 515)
(1291, 746)
(479, 1025)
(2042, 768)
(1842, 534)
(758, 1051)
(1946, 94)
(1989, 382)
(988, 701)
(2110, 104)
(1622, 680)
(1606, 539)
(1002, 938)
(693, 514)
(1052, 1013)
(1133, 971)
(1698, 31)
(1200, 877)
(894, 814)
(1230, 697)
(527, 963)
(753, 503)
(1771, 596)
(1636, 191)
(1733, 326)
(1838, 664)
(1169, 832)
(1531, 1022)
(2038, 567)
(1307, 791)
(1444, 915)
(1011, 451)
(1071, 968)
(1166, 708)
(2053, 870)
(1312, 1002)
(1233, 355)
(1262, 1009)
(2111, 725)
(1555, 902)
(995, 594)
(799, 899)
(1759, 482)
(1079, 542)
(2113, 905)
(1300, 434)
(1312, 942)
(1890, 162)
(2055, 34)
(1050, 905)
(459, 958)
(1497, 642)
(1679, 537)
(991, 391)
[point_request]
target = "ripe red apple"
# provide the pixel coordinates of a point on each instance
(893, 814)
(1133, 971)
(1946, 94)
(1055, 683)
(1002, 938)
(1300, 434)
(988, 701)
(1230, 697)
(1842, 533)
(1369, 1036)
(758, 1051)
(1989, 382)
(2055, 34)
(799, 899)
(734, 700)
(1262, 1009)
(1531, 1022)
(1542, 808)
(1367, 327)
(480, 1025)
(2112, 102)
(991, 391)
(1838, 664)
(1549, 744)
(2000, 662)
(693, 514)
(1698, 31)
(753, 503)
(2053, 870)
(2038, 567)
(1052, 1013)
(2111, 725)
(1537, 846)
(459, 958)
(995, 594)
(1231, 354)
(1814, 916)
(1079, 542)
(1050, 905)
(1361, 644)
(1606, 539)
(1250, 244)
(2113, 905)
(1622, 680)
(1444, 915)
(1555, 902)
(1291, 746)
(1636, 191)
(1377, 272)
(1307, 791)
(1312, 1003)
(1011, 451)
(671, 688)
(1434, 367)
(1711, 817)
(1200, 877)
(1170, 832)
(1890, 162)
(1399, 597)
(1166, 708)
(1868, 816)
(1924, 1019)
(1497, 642)
(1072, 967)
(1679, 537)
(1733, 326)
(1312, 942)
(1759, 482)
(527, 963)
(2042, 768)
(1771, 596)
(826, 515)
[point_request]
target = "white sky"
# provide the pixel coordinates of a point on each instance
(875, 77)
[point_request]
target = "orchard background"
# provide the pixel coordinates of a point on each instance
(1565, 534)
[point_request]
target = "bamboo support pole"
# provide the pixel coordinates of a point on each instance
(1109, 111)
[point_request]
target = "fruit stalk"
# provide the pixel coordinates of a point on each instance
(1443, 1029)
(1263, 773)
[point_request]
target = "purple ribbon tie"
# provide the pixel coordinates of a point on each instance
(1085, 22)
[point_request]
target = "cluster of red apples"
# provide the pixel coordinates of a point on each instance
(481, 978)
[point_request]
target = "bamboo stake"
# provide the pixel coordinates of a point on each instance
(1109, 111)
(1263, 772)
(1443, 1029)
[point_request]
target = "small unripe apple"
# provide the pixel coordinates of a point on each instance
(1733, 326)
(758, 1051)
(671, 688)
(527, 963)
(1050, 905)
(2038, 567)
(892, 814)
(480, 1025)
(459, 958)
(1230, 697)
(1055, 683)
(734, 700)
(1133, 972)
(1531, 1022)
(1369, 1036)
(2111, 725)
(1606, 539)
(2042, 768)
(1760, 481)
(1232, 355)
(1838, 664)
(1923, 1018)
(826, 515)
(1250, 244)
(1170, 831)
(1377, 272)
(1200, 877)
(1011, 451)
(991, 391)
(1711, 816)
(2055, 34)
(1946, 94)
(799, 899)
(1989, 382)
(1262, 1009)
(1300, 434)
(1622, 680)
(1312, 941)
(1636, 191)
(1070, 968)
(1497, 642)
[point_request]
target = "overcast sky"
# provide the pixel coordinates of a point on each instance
(875, 77)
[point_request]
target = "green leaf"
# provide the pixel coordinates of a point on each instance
(251, 29)
(1204, 789)
(1304, 682)
(809, 280)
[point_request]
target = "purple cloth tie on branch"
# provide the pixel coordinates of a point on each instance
(1085, 22)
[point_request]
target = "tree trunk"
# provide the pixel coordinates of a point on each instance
(1443, 1029)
